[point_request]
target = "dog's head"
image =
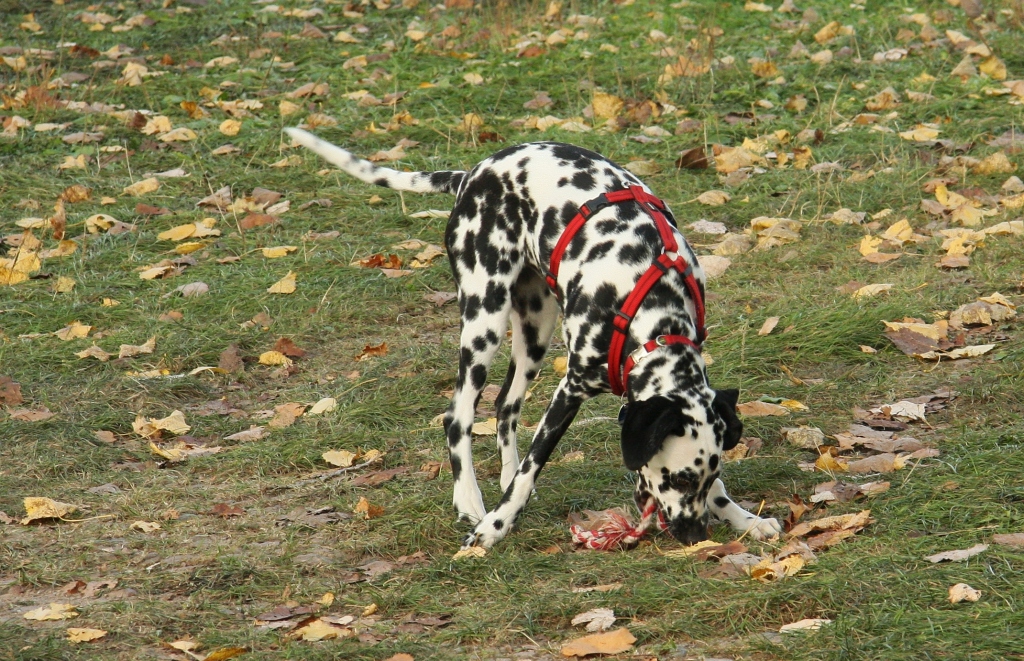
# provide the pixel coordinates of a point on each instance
(676, 448)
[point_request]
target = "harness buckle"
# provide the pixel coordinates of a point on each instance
(621, 321)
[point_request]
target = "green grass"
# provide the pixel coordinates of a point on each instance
(207, 578)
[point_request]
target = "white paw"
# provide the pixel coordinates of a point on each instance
(760, 528)
(486, 534)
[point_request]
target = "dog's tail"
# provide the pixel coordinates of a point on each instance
(444, 181)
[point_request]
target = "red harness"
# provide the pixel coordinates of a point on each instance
(618, 373)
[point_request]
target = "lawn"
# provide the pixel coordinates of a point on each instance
(193, 312)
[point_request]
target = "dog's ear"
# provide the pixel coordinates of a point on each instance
(645, 427)
(724, 406)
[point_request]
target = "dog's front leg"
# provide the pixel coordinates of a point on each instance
(742, 521)
(557, 418)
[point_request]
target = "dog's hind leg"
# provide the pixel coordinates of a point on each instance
(534, 316)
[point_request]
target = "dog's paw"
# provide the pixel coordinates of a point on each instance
(487, 533)
(759, 528)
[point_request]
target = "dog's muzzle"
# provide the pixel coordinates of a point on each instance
(689, 531)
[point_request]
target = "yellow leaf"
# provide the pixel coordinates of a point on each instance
(73, 331)
(899, 231)
(274, 358)
(320, 630)
(560, 365)
(52, 612)
(225, 653)
(178, 233)
(182, 134)
(487, 428)
(470, 552)
(829, 464)
(63, 285)
(996, 163)
(174, 423)
(764, 68)
(871, 290)
(145, 526)
(869, 244)
(607, 106)
(963, 592)
(339, 458)
(80, 635)
(63, 249)
(610, 642)
(920, 134)
(473, 78)
(37, 509)
(157, 124)
(97, 222)
(285, 108)
(325, 405)
(285, 285)
(142, 187)
(279, 251)
(758, 409)
(188, 247)
(714, 198)
(993, 67)
(230, 127)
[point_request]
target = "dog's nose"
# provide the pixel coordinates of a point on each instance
(689, 531)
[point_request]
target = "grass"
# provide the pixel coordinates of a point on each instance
(206, 578)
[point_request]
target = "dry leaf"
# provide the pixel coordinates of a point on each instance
(80, 635)
(957, 556)
(325, 405)
(759, 409)
(714, 198)
(340, 458)
(597, 619)
(52, 612)
(611, 642)
(145, 526)
(367, 510)
(809, 624)
(285, 285)
(470, 552)
(38, 509)
(142, 187)
(963, 592)
(769, 325)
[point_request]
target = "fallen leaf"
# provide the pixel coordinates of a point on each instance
(597, 619)
(367, 510)
(809, 624)
(758, 409)
(611, 642)
(145, 526)
(52, 612)
(325, 405)
(370, 351)
(1013, 540)
(80, 635)
(285, 285)
(769, 325)
(714, 198)
(142, 187)
(340, 458)
(957, 556)
(39, 509)
(963, 592)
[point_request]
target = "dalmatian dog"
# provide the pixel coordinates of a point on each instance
(510, 213)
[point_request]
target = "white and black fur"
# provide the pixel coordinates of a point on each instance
(509, 212)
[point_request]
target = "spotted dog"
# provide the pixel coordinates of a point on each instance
(509, 216)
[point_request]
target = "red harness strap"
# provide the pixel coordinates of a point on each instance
(618, 373)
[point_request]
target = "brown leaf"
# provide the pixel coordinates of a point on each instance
(370, 351)
(31, 415)
(367, 510)
(254, 220)
(231, 360)
(378, 477)
(149, 210)
(223, 510)
(1013, 540)
(286, 346)
(286, 414)
(957, 556)
(692, 159)
(10, 391)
